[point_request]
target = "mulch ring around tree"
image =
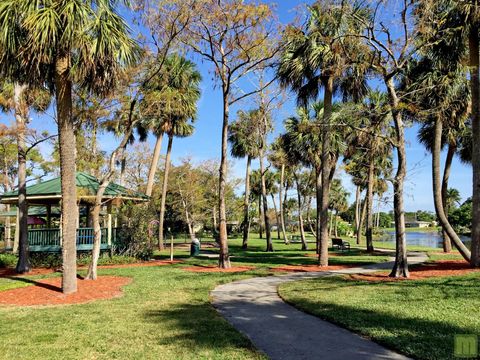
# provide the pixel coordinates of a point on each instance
(216, 269)
(310, 268)
(9, 272)
(48, 292)
(435, 269)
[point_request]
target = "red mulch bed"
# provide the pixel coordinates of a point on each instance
(8, 272)
(215, 269)
(48, 292)
(310, 268)
(436, 269)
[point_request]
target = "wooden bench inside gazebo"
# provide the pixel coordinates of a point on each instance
(44, 204)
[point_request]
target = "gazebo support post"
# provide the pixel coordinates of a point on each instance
(49, 216)
(17, 232)
(8, 230)
(109, 227)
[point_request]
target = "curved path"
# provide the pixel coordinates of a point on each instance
(254, 307)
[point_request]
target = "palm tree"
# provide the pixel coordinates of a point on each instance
(65, 43)
(244, 139)
(314, 58)
(20, 98)
(338, 203)
(278, 158)
(443, 112)
(172, 97)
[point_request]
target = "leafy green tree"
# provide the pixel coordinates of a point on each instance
(64, 43)
(244, 139)
(172, 97)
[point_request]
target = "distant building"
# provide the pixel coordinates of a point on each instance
(418, 224)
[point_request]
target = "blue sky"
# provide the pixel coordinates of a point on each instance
(205, 143)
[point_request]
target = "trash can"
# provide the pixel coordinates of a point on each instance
(195, 248)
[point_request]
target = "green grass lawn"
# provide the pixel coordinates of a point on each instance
(418, 318)
(165, 313)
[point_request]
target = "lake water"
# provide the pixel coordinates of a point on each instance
(417, 238)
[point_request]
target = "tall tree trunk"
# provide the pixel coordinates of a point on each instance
(326, 164)
(357, 212)
(260, 216)
(361, 220)
(276, 215)
(318, 198)
(400, 268)
(104, 182)
(335, 223)
(268, 234)
(369, 228)
(285, 199)
(214, 216)
(437, 192)
(164, 192)
(447, 243)
(21, 118)
(280, 198)
(300, 215)
(224, 258)
(475, 88)
(309, 220)
(154, 164)
(66, 139)
(330, 225)
(246, 205)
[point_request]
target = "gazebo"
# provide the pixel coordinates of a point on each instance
(44, 199)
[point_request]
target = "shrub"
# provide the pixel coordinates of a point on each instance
(8, 260)
(133, 239)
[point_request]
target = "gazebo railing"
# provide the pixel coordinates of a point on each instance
(48, 240)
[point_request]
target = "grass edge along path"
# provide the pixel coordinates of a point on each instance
(416, 317)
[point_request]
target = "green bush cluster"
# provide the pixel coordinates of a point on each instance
(8, 260)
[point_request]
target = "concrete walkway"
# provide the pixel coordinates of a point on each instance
(281, 331)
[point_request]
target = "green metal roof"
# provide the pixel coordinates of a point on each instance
(33, 211)
(87, 186)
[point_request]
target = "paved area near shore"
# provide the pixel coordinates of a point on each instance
(254, 307)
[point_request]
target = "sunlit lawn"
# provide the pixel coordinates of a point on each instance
(418, 318)
(164, 314)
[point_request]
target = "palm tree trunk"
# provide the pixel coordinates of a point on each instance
(276, 216)
(335, 223)
(326, 164)
(363, 212)
(268, 234)
(164, 192)
(309, 220)
(318, 193)
(447, 243)
(300, 215)
(66, 139)
(437, 196)
(357, 211)
(330, 225)
(475, 89)
(224, 258)
(400, 268)
(246, 204)
(260, 216)
(369, 228)
(21, 110)
(154, 165)
(280, 198)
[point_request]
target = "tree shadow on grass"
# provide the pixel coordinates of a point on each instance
(417, 336)
(36, 283)
(198, 327)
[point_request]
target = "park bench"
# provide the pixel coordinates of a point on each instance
(295, 238)
(338, 243)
